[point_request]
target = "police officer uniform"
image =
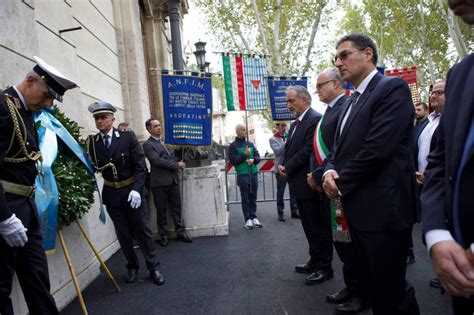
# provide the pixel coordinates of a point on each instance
(121, 161)
(23, 253)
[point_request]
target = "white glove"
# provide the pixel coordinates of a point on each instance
(13, 232)
(134, 199)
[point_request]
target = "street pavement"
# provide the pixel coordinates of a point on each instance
(246, 272)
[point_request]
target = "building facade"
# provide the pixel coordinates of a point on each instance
(113, 49)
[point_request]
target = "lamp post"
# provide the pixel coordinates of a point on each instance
(200, 54)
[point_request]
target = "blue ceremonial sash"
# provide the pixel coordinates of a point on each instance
(47, 195)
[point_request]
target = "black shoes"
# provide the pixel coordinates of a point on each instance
(281, 217)
(354, 305)
(308, 268)
(295, 215)
(157, 277)
(339, 297)
(319, 276)
(183, 237)
(435, 283)
(131, 276)
(163, 241)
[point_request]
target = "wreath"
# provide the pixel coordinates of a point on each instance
(75, 184)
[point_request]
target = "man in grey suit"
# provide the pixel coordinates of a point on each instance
(164, 182)
(277, 143)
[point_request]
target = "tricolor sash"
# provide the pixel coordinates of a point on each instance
(340, 229)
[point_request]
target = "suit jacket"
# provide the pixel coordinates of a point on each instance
(374, 160)
(21, 173)
(328, 127)
(164, 169)
(418, 130)
(444, 160)
(126, 154)
(298, 150)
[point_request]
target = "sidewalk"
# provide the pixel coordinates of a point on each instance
(247, 272)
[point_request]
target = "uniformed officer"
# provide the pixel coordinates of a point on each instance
(21, 248)
(119, 157)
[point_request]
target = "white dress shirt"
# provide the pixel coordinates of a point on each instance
(424, 140)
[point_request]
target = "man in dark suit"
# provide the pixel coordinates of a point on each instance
(295, 166)
(426, 136)
(21, 249)
(164, 182)
(371, 169)
(119, 157)
(447, 202)
(330, 89)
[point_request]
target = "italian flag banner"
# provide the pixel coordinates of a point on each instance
(245, 86)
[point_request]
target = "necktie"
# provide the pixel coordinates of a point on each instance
(106, 141)
(164, 146)
(354, 96)
(296, 124)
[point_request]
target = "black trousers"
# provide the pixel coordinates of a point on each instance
(380, 258)
(346, 255)
(463, 306)
(164, 196)
(30, 265)
(317, 228)
(128, 222)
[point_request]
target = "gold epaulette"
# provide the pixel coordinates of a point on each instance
(19, 131)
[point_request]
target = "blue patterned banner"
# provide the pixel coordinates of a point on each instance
(277, 91)
(187, 109)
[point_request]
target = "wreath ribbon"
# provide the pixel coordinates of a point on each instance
(47, 194)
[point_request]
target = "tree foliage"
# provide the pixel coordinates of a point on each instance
(286, 30)
(409, 32)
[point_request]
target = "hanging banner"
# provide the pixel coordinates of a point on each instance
(187, 109)
(245, 86)
(409, 76)
(277, 92)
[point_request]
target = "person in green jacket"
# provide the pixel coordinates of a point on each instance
(244, 156)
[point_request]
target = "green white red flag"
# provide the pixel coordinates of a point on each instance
(244, 79)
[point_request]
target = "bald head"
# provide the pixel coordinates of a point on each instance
(241, 131)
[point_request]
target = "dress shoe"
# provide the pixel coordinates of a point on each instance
(411, 259)
(281, 217)
(157, 277)
(319, 276)
(131, 276)
(339, 297)
(295, 215)
(435, 283)
(163, 241)
(183, 237)
(354, 305)
(308, 268)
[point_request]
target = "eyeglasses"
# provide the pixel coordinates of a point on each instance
(320, 85)
(343, 55)
(436, 93)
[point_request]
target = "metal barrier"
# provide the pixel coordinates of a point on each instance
(267, 188)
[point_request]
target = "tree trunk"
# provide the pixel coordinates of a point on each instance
(314, 29)
(276, 40)
(457, 39)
